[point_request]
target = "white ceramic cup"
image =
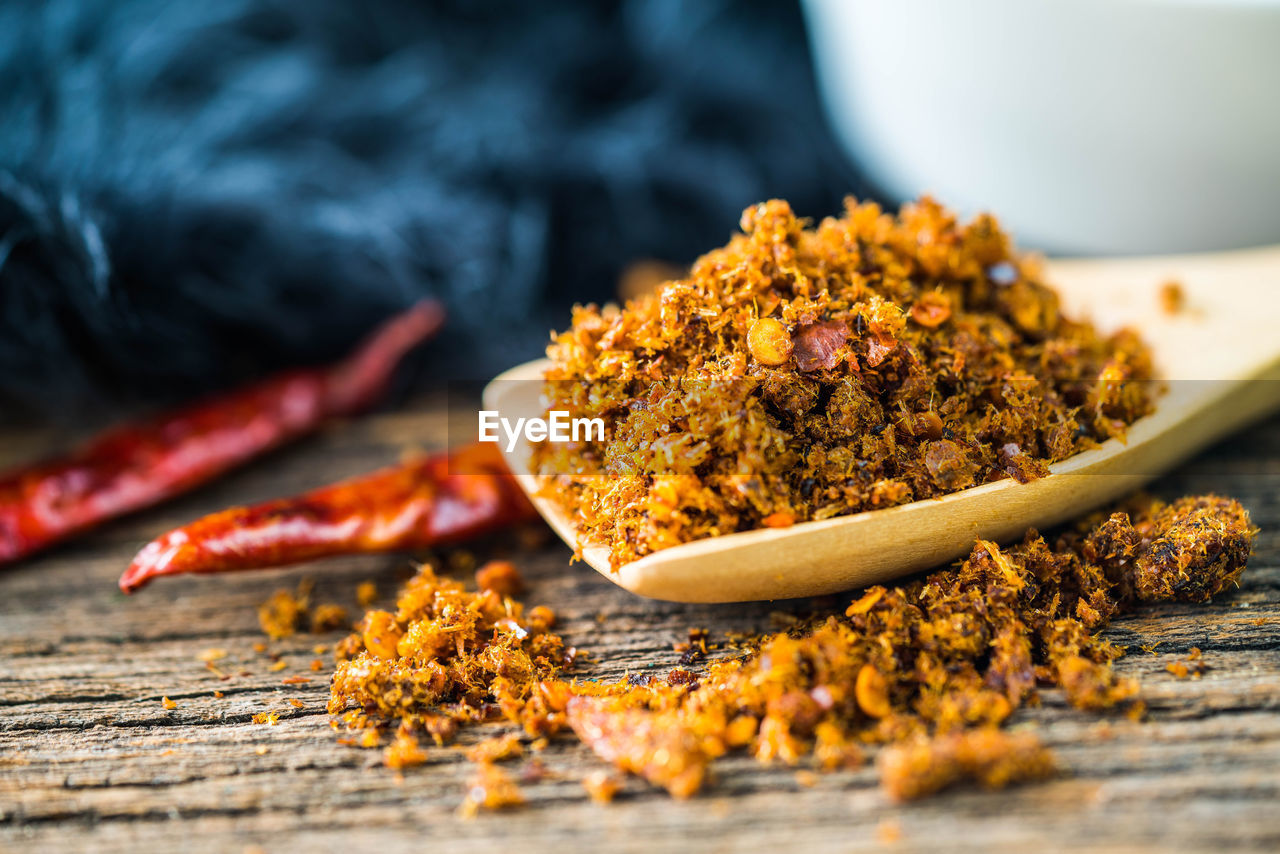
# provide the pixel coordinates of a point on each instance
(1086, 126)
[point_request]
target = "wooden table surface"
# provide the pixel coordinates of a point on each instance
(89, 758)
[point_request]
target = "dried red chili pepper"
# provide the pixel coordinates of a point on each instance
(138, 465)
(433, 501)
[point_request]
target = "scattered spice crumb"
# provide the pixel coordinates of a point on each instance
(279, 665)
(500, 576)
(213, 654)
(328, 617)
(320, 649)
(170, 705)
(991, 757)
(259, 647)
(404, 752)
(366, 593)
(931, 669)
(490, 788)
(266, 718)
(286, 612)
(295, 680)
(317, 665)
(888, 832)
(218, 695)
(1173, 299)
(601, 786)
(497, 749)
(1193, 667)
(261, 750)
(296, 703)
(283, 613)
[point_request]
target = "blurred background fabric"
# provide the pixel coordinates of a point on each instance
(192, 194)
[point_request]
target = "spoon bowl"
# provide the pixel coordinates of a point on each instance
(1219, 358)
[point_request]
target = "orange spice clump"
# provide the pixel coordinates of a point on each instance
(802, 373)
(931, 668)
(449, 656)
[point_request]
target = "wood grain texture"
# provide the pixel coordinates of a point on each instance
(89, 758)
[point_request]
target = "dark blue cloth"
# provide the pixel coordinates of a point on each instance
(192, 193)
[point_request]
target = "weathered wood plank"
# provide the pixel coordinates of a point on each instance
(89, 758)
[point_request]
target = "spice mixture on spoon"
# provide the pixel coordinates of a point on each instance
(803, 373)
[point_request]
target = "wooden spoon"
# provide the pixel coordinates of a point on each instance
(1220, 356)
